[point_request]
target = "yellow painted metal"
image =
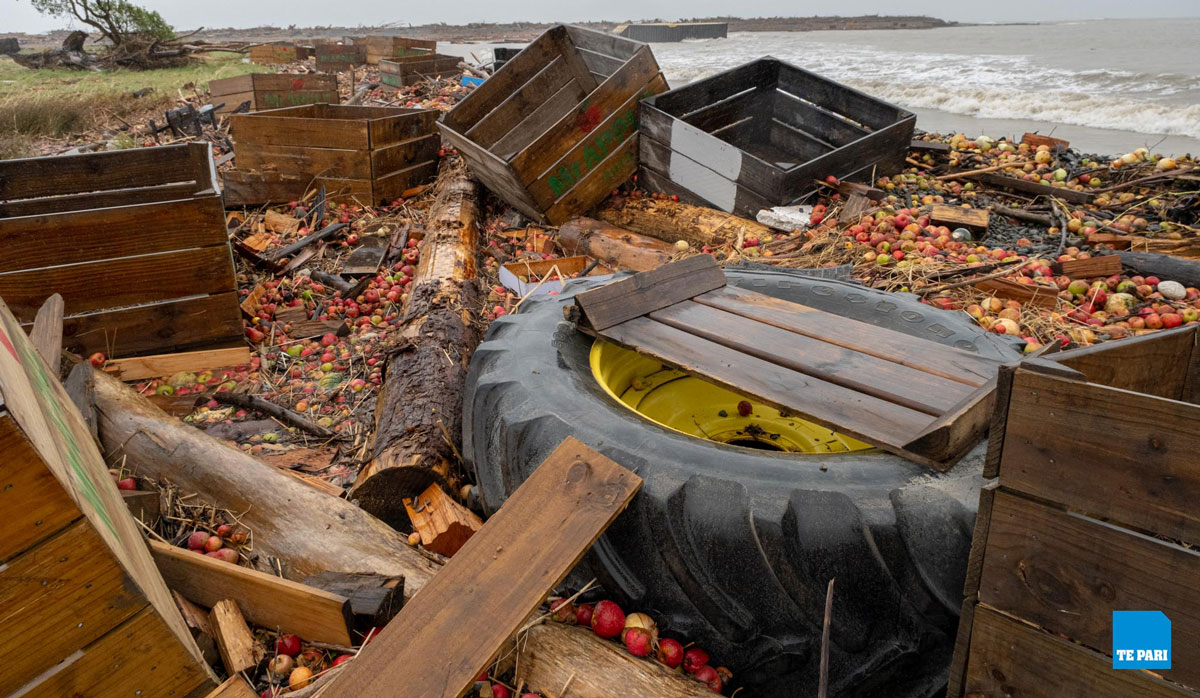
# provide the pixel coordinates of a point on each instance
(701, 409)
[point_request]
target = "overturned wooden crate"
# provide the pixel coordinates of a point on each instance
(1094, 512)
(555, 129)
(335, 58)
(85, 610)
(133, 240)
(401, 72)
(391, 47)
(273, 90)
(367, 154)
(275, 54)
(761, 134)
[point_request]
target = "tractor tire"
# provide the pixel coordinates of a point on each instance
(732, 547)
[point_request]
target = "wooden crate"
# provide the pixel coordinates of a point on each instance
(370, 154)
(1094, 511)
(275, 54)
(392, 47)
(85, 610)
(759, 136)
(274, 90)
(555, 129)
(133, 240)
(401, 72)
(335, 58)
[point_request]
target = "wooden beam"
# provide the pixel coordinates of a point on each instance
(507, 568)
(266, 600)
(232, 635)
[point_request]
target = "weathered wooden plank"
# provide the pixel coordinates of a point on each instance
(85, 236)
(590, 153)
(681, 101)
(755, 101)
(800, 145)
(72, 590)
(510, 112)
(264, 599)
(264, 128)
(847, 411)
(494, 173)
(1104, 265)
(839, 99)
(1005, 182)
(548, 146)
(924, 355)
(127, 281)
(654, 161)
(116, 169)
(600, 64)
(156, 327)
(234, 687)
(871, 375)
(1009, 658)
(603, 42)
(233, 637)
(35, 506)
(570, 55)
(1138, 452)
(47, 331)
(305, 161)
(404, 155)
(1153, 364)
(508, 567)
(564, 102)
(975, 219)
(885, 148)
(1067, 573)
(141, 367)
(140, 657)
(951, 435)
(99, 199)
(519, 70)
(391, 186)
(648, 291)
(807, 117)
(390, 129)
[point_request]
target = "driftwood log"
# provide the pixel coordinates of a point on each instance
(553, 655)
(310, 532)
(672, 220)
(615, 247)
(419, 413)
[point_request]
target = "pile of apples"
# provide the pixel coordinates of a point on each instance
(294, 667)
(222, 544)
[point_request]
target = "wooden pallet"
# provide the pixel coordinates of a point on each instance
(922, 400)
(273, 90)
(85, 610)
(555, 130)
(1093, 511)
(368, 154)
(133, 240)
(759, 136)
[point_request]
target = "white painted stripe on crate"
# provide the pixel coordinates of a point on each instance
(705, 165)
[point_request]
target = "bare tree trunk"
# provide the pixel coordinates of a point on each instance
(612, 245)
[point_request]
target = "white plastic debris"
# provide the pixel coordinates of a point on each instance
(785, 218)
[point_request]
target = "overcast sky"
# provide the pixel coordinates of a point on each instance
(18, 15)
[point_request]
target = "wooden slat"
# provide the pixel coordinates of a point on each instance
(1067, 573)
(952, 434)
(1041, 296)
(525, 549)
(755, 101)
(100, 199)
(71, 590)
(600, 64)
(864, 373)
(1153, 364)
(800, 145)
(120, 282)
(159, 365)
(404, 155)
(264, 128)
(158, 327)
(35, 506)
(603, 42)
(119, 231)
(234, 687)
(590, 153)
(963, 216)
(573, 61)
(140, 657)
(962, 644)
(547, 147)
(839, 99)
(305, 161)
(924, 355)
(847, 411)
(264, 599)
(885, 148)
(1139, 452)
(807, 117)
(1104, 265)
(233, 637)
(388, 128)
(520, 103)
(562, 103)
(681, 101)
(47, 332)
(648, 291)
(655, 160)
(519, 70)
(116, 169)
(494, 172)
(392, 185)
(1006, 182)
(1009, 658)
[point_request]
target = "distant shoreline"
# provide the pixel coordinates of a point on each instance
(525, 31)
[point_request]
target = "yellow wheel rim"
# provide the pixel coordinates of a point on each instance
(695, 407)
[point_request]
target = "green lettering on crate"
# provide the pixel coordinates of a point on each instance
(600, 146)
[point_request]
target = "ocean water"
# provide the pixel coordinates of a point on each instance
(1108, 86)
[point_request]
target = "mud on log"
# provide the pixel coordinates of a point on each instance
(419, 413)
(674, 220)
(309, 531)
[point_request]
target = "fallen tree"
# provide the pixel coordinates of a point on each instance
(672, 221)
(612, 245)
(308, 530)
(419, 413)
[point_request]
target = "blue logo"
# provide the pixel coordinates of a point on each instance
(1141, 640)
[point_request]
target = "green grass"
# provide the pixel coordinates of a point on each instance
(54, 104)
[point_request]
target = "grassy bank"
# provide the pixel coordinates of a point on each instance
(40, 106)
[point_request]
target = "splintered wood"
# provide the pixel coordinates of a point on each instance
(436, 646)
(922, 400)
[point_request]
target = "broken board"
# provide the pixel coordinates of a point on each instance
(919, 399)
(436, 645)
